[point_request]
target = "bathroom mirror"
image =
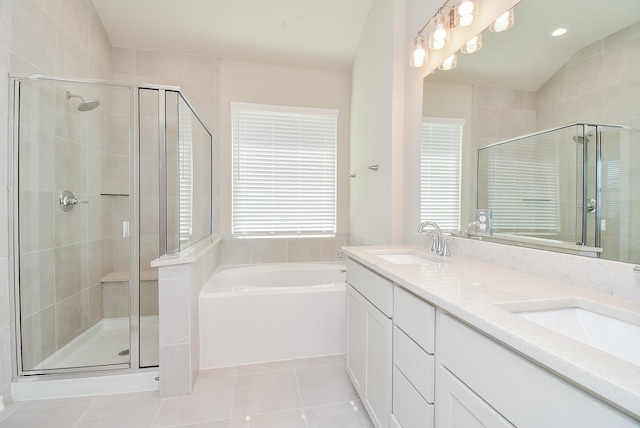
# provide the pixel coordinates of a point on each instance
(524, 81)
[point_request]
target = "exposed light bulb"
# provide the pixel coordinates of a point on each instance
(440, 33)
(466, 7)
(465, 20)
(504, 22)
(438, 44)
(449, 63)
(419, 54)
(473, 45)
(466, 12)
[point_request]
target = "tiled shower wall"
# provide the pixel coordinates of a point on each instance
(600, 84)
(49, 37)
(65, 254)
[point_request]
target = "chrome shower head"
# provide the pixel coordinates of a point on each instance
(580, 139)
(85, 105)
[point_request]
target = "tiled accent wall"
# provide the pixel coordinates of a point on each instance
(61, 38)
(281, 250)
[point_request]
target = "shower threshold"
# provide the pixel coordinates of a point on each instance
(94, 347)
(107, 343)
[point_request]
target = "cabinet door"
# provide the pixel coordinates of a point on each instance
(378, 366)
(459, 407)
(356, 338)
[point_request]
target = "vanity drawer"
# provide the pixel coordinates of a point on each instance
(414, 363)
(409, 408)
(377, 289)
(415, 317)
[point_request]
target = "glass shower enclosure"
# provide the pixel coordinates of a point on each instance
(572, 185)
(105, 178)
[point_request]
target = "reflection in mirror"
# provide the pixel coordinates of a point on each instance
(525, 81)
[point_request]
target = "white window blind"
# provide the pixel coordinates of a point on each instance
(284, 170)
(440, 160)
(185, 163)
(523, 187)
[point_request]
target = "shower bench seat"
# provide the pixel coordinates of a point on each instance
(115, 294)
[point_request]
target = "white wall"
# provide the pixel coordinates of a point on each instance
(372, 102)
(300, 87)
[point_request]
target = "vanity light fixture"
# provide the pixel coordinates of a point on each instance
(418, 53)
(559, 32)
(473, 45)
(503, 23)
(466, 11)
(449, 63)
(439, 34)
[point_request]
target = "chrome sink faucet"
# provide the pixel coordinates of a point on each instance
(439, 243)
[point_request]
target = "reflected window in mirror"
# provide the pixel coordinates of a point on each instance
(522, 187)
(440, 168)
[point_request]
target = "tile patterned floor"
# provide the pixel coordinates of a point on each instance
(305, 393)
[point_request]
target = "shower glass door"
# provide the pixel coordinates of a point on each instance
(72, 191)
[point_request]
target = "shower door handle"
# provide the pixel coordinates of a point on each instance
(68, 201)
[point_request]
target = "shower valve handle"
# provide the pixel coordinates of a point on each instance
(68, 201)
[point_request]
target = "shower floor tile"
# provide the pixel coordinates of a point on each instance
(305, 393)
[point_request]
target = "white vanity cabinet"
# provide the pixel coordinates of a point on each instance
(413, 361)
(481, 383)
(369, 339)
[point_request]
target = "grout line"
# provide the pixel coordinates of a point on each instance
(95, 400)
(162, 400)
(304, 414)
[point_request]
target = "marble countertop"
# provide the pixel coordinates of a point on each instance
(476, 292)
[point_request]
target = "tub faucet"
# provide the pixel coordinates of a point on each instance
(439, 243)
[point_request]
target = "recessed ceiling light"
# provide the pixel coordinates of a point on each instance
(559, 32)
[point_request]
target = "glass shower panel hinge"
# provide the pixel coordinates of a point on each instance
(125, 229)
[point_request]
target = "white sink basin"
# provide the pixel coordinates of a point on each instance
(607, 333)
(403, 257)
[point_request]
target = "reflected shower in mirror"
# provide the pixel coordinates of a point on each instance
(526, 81)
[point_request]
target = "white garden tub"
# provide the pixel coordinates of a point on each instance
(272, 312)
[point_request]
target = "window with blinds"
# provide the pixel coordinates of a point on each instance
(523, 187)
(185, 165)
(284, 171)
(440, 171)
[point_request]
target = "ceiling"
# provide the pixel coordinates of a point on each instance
(526, 56)
(320, 34)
